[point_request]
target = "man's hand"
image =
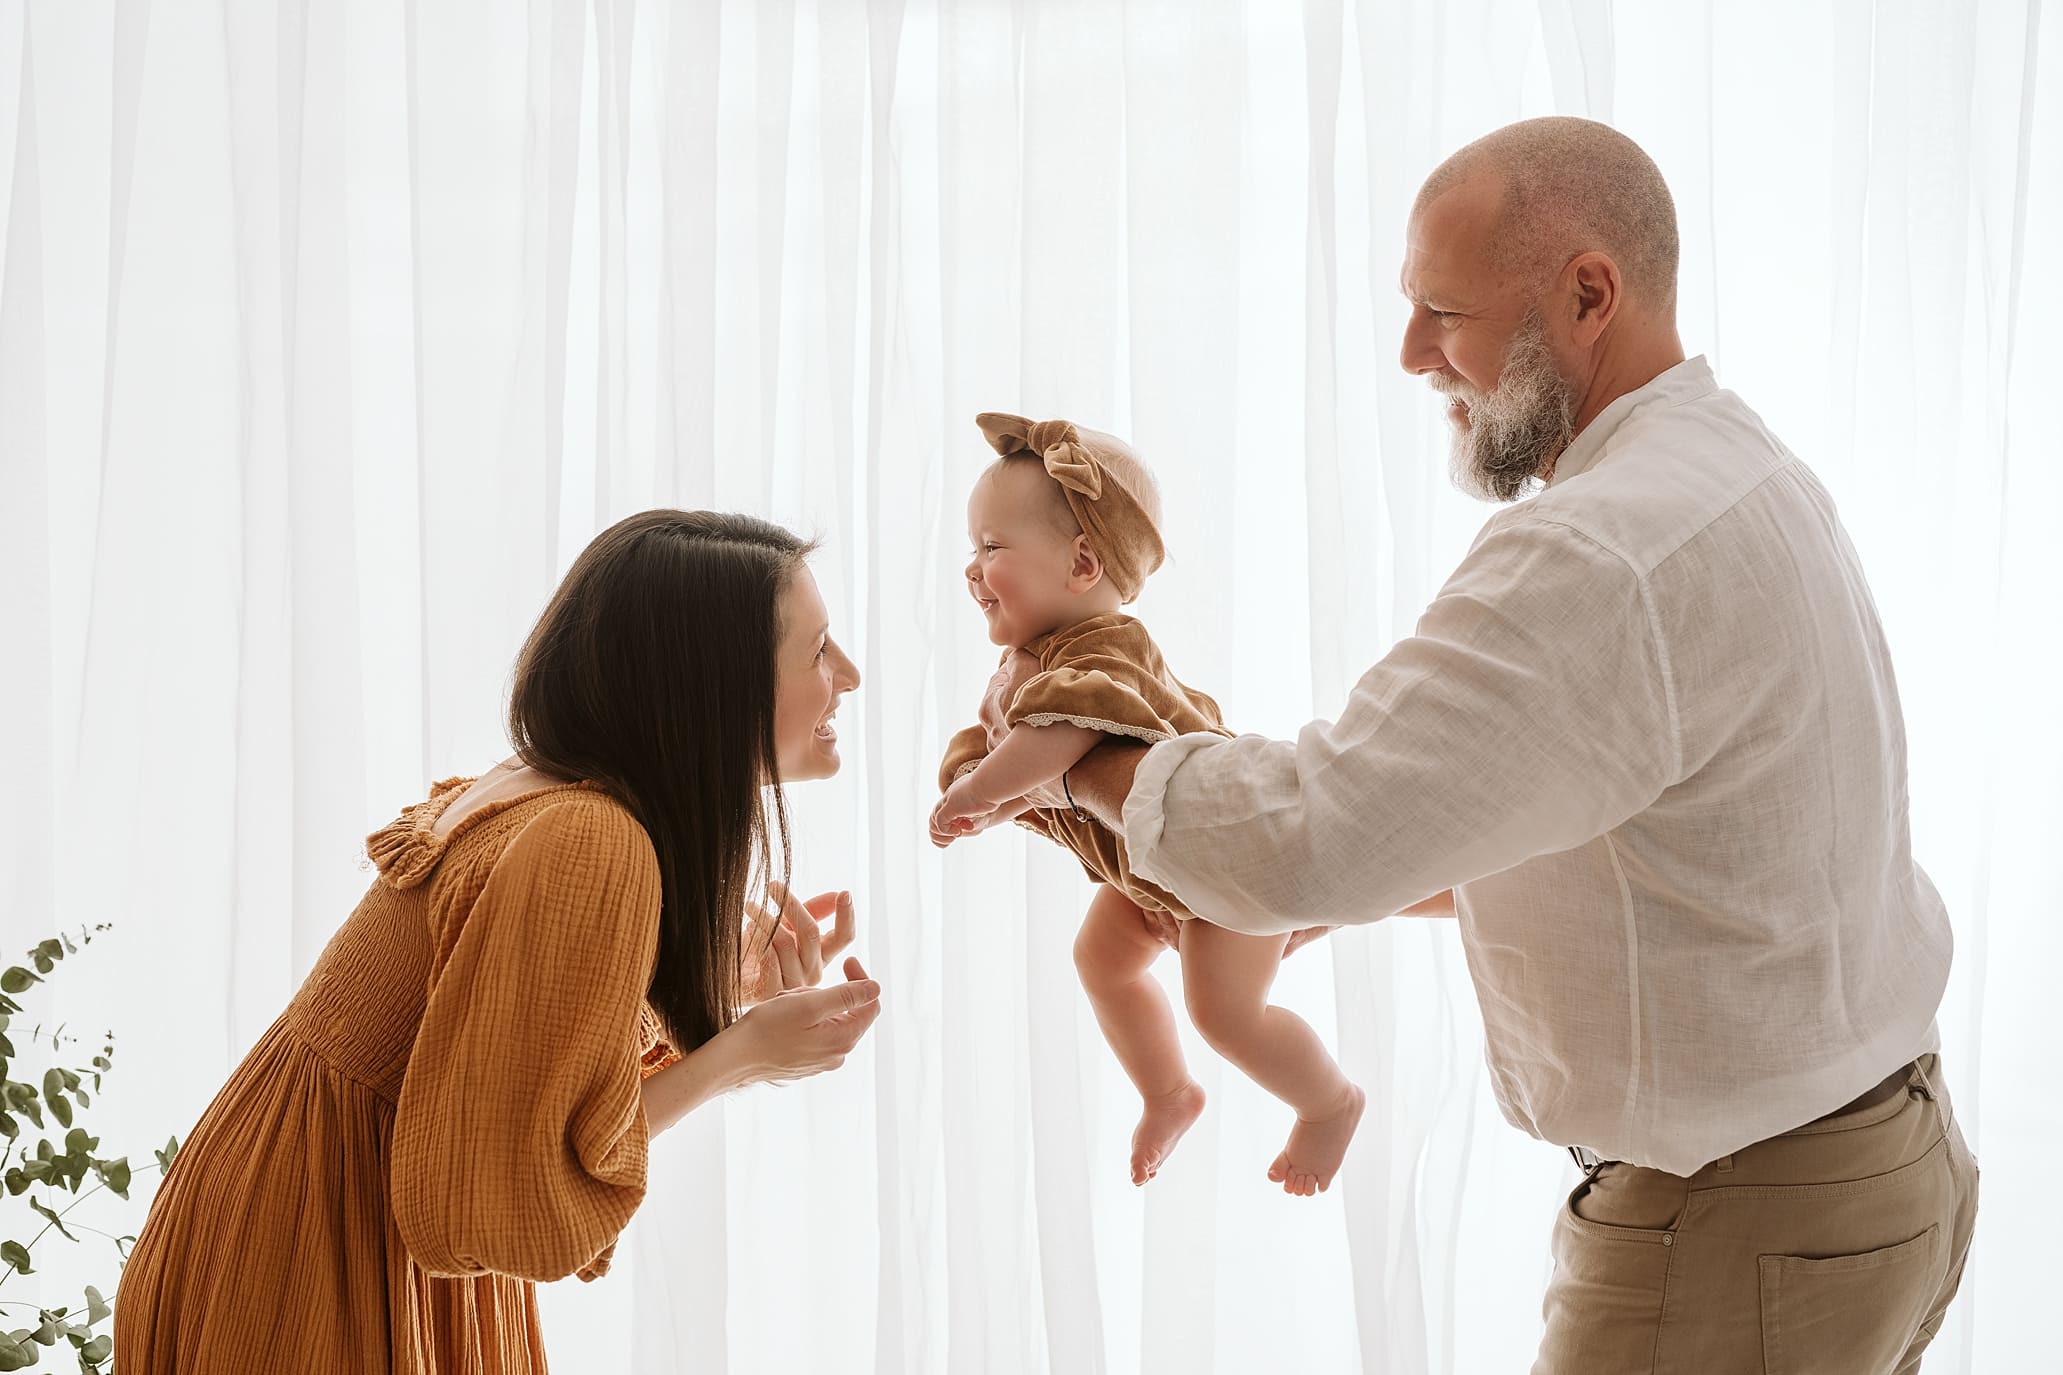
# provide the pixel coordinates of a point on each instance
(1301, 938)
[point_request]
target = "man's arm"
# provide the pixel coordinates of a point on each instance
(1531, 712)
(1101, 780)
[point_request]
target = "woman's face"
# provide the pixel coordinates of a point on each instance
(810, 674)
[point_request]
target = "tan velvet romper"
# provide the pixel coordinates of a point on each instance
(1107, 674)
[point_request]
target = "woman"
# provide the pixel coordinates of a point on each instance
(548, 967)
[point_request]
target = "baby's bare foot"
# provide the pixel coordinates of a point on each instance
(1161, 1125)
(1316, 1148)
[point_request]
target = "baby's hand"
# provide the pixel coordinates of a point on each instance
(943, 834)
(958, 813)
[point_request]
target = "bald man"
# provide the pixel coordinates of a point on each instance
(1648, 739)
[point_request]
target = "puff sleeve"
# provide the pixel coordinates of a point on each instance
(520, 1141)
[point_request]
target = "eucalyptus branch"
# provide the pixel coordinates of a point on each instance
(97, 1188)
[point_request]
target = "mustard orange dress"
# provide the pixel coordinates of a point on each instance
(447, 1112)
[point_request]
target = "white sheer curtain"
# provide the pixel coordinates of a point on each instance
(328, 334)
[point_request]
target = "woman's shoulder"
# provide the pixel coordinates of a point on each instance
(580, 824)
(580, 821)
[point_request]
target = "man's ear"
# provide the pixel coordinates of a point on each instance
(1596, 293)
(1086, 570)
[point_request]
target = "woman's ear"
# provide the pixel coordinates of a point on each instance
(1087, 568)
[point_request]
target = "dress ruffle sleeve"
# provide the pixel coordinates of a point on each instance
(519, 1142)
(1089, 697)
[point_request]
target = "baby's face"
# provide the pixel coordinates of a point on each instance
(1023, 554)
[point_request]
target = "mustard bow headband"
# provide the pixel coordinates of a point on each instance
(1107, 488)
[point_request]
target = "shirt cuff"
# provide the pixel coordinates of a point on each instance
(1145, 815)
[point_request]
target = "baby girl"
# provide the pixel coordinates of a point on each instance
(1065, 528)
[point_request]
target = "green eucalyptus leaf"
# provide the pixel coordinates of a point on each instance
(16, 1182)
(96, 1306)
(62, 1111)
(77, 1140)
(16, 1255)
(50, 949)
(99, 1349)
(8, 1128)
(53, 1218)
(46, 1335)
(16, 1354)
(15, 979)
(116, 1176)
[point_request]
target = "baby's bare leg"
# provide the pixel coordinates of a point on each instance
(1114, 955)
(1225, 980)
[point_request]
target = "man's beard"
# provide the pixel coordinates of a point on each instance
(1519, 426)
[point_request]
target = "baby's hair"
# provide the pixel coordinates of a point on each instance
(1058, 514)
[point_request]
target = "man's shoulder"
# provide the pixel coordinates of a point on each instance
(1669, 476)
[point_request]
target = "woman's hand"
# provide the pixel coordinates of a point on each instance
(792, 1035)
(807, 1031)
(785, 947)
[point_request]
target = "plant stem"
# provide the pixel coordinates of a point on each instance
(12, 1272)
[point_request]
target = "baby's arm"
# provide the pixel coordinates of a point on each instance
(944, 833)
(1027, 757)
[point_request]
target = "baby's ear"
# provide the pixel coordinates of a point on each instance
(1087, 569)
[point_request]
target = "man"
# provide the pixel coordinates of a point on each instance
(1648, 736)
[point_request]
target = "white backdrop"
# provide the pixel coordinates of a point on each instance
(328, 334)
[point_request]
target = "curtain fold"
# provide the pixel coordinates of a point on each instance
(328, 336)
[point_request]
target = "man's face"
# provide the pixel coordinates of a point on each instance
(1481, 341)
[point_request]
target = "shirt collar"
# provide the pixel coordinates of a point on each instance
(1687, 381)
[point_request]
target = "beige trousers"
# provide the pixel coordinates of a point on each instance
(1833, 1248)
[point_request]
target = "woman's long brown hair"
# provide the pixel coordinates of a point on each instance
(652, 671)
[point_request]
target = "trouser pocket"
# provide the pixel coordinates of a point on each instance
(1848, 1313)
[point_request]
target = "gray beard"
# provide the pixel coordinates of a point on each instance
(1519, 427)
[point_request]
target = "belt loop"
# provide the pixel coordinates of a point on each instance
(1916, 1077)
(1724, 1164)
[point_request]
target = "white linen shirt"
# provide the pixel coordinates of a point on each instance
(1649, 735)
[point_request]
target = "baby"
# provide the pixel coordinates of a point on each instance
(1065, 528)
